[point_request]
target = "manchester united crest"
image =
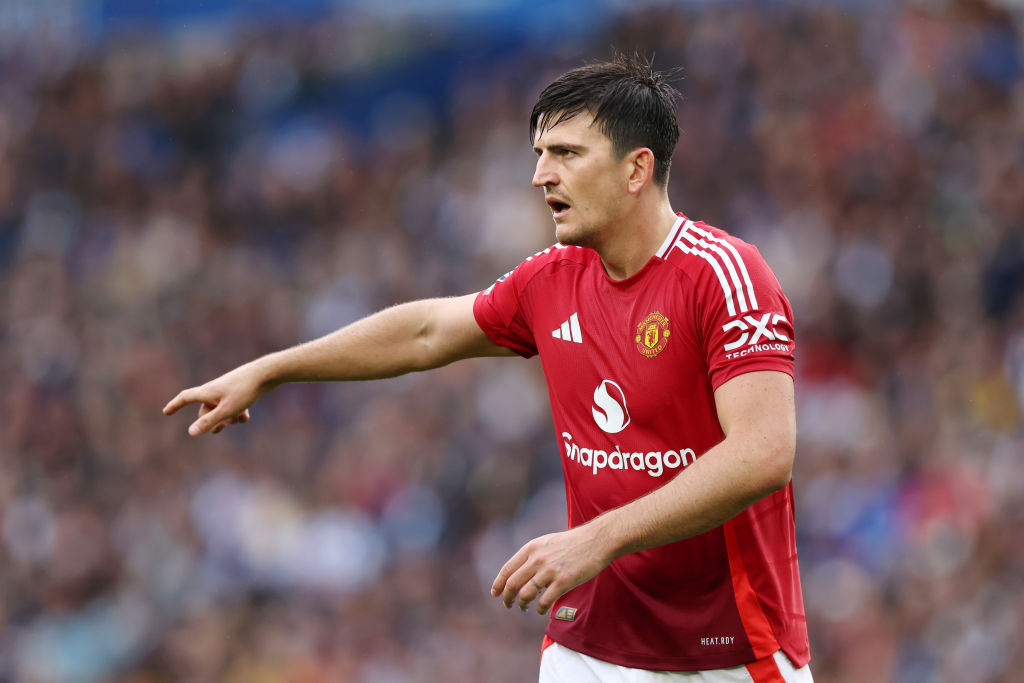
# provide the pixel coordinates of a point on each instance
(652, 334)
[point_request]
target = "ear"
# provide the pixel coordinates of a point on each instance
(640, 168)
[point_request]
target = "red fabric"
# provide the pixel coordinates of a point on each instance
(756, 625)
(631, 368)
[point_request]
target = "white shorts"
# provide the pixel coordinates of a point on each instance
(559, 664)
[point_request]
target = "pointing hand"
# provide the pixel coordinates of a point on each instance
(222, 401)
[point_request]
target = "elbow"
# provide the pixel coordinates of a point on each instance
(775, 462)
(423, 347)
(423, 354)
(779, 472)
(778, 466)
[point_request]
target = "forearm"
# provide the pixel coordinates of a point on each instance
(726, 480)
(415, 336)
(391, 342)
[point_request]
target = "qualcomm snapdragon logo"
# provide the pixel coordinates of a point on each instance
(611, 414)
(652, 462)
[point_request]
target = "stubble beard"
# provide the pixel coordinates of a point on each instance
(574, 236)
(581, 235)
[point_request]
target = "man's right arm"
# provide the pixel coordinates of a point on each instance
(419, 335)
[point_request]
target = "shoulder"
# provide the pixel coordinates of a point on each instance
(721, 265)
(555, 257)
(697, 247)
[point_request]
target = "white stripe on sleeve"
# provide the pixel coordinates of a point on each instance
(728, 265)
(715, 265)
(739, 260)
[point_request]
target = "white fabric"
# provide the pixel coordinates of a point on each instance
(559, 664)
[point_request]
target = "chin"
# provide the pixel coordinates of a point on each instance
(570, 235)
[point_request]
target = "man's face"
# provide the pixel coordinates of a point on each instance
(584, 183)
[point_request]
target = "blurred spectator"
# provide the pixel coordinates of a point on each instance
(174, 204)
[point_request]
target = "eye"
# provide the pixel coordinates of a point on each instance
(568, 153)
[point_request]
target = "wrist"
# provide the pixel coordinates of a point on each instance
(267, 373)
(609, 536)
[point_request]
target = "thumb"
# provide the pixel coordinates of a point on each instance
(210, 415)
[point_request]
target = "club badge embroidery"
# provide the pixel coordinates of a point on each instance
(652, 334)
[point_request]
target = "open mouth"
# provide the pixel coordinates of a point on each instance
(558, 207)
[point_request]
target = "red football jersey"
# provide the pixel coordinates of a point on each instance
(632, 367)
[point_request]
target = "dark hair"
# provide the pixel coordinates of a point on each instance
(633, 106)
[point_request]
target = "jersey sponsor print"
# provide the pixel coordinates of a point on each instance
(632, 397)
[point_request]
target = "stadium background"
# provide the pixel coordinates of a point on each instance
(185, 185)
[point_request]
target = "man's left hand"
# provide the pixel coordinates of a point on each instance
(550, 566)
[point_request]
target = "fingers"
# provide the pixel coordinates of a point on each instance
(527, 584)
(185, 397)
(520, 582)
(550, 566)
(529, 592)
(213, 418)
(549, 596)
(238, 419)
(206, 422)
(214, 413)
(522, 587)
(501, 581)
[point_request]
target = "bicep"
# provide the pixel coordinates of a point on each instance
(453, 332)
(759, 408)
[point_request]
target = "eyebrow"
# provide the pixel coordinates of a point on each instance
(559, 147)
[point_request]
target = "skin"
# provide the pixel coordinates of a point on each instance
(616, 209)
(415, 336)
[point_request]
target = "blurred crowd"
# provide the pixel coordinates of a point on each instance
(171, 208)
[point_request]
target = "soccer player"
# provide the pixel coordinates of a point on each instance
(667, 345)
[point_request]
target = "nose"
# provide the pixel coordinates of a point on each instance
(543, 175)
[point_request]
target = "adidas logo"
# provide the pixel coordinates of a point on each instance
(569, 331)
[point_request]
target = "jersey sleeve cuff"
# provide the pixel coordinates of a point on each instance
(494, 334)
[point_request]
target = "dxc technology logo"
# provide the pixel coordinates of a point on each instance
(611, 414)
(760, 327)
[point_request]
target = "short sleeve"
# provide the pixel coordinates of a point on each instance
(746, 321)
(499, 310)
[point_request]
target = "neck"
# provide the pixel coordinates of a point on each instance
(636, 238)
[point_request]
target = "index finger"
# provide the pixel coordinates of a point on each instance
(183, 398)
(514, 563)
